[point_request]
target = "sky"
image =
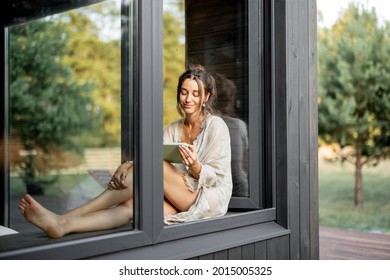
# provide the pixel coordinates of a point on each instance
(331, 9)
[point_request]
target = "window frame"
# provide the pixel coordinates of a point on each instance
(92, 244)
(146, 134)
(256, 97)
(263, 188)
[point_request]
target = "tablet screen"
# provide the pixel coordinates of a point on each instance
(171, 152)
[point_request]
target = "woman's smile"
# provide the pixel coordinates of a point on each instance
(188, 105)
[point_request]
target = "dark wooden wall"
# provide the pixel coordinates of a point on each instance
(301, 106)
(217, 37)
(295, 117)
(271, 249)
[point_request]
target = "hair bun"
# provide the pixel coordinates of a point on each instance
(197, 67)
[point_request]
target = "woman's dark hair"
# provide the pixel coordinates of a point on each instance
(206, 85)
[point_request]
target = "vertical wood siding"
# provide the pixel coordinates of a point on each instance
(272, 249)
(302, 128)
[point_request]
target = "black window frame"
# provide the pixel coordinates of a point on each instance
(146, 133)
(260, 136)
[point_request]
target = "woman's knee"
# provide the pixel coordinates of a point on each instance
(128, 209)
(128, 203)
(169, 209)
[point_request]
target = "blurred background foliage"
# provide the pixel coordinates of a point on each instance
(174, 56)
(65, 85)
(354, 120)
(47, 106)
(97, 61)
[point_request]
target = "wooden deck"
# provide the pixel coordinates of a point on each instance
(337, 244)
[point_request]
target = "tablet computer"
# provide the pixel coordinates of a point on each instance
(171, 152)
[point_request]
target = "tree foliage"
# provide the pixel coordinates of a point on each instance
(47, 106)
(65, 85)
(174, 62)
(64, 88)
(354, 89)
(96, 61)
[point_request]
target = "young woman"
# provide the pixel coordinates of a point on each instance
(198, 188)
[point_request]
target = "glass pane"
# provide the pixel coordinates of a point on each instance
(212, 33)
(174, 54)
(65, 108)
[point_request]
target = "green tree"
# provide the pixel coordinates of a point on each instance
(47, 107)
(354, 89)
(174, 59)
(97, 61)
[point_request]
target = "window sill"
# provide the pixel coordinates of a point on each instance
(38, 245)
(226, 222)
(195, 246)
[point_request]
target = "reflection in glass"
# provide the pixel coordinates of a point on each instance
(213, 33)
(174, 55)
(64, 116)
(238, 130)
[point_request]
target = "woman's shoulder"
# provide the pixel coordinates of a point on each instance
(214, 119)
(216, 122)
(174, 124)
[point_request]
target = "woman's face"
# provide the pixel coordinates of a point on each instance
(190, 97)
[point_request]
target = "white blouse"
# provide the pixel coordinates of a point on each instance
(215, 180)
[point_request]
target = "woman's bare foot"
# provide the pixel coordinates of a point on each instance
(41, 217)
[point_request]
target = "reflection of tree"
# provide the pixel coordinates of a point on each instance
(96, 61)
(47, 107)
(65, 80)
(174, 56)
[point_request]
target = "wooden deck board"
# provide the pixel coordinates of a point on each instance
(338, 244)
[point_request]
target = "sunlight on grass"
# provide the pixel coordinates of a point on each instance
(336, 197)
(62, 187)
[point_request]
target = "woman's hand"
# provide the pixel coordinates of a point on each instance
(118, 180)
(189, 158)
(188, 154)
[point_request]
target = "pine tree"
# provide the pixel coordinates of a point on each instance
(354, 89)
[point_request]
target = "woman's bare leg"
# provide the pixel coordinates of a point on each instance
(110, 209)
(169, 209)
(57, 226)
(100, 220)
(175, 190)
(105, 200)
(99, 213)
(39, 216)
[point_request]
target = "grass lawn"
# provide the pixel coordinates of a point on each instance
(59, 188)
(336, 197)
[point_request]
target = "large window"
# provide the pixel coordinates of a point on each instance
(214, 34)
(65, 108)
(94, 86)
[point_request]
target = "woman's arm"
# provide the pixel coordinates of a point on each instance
(214, 158)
